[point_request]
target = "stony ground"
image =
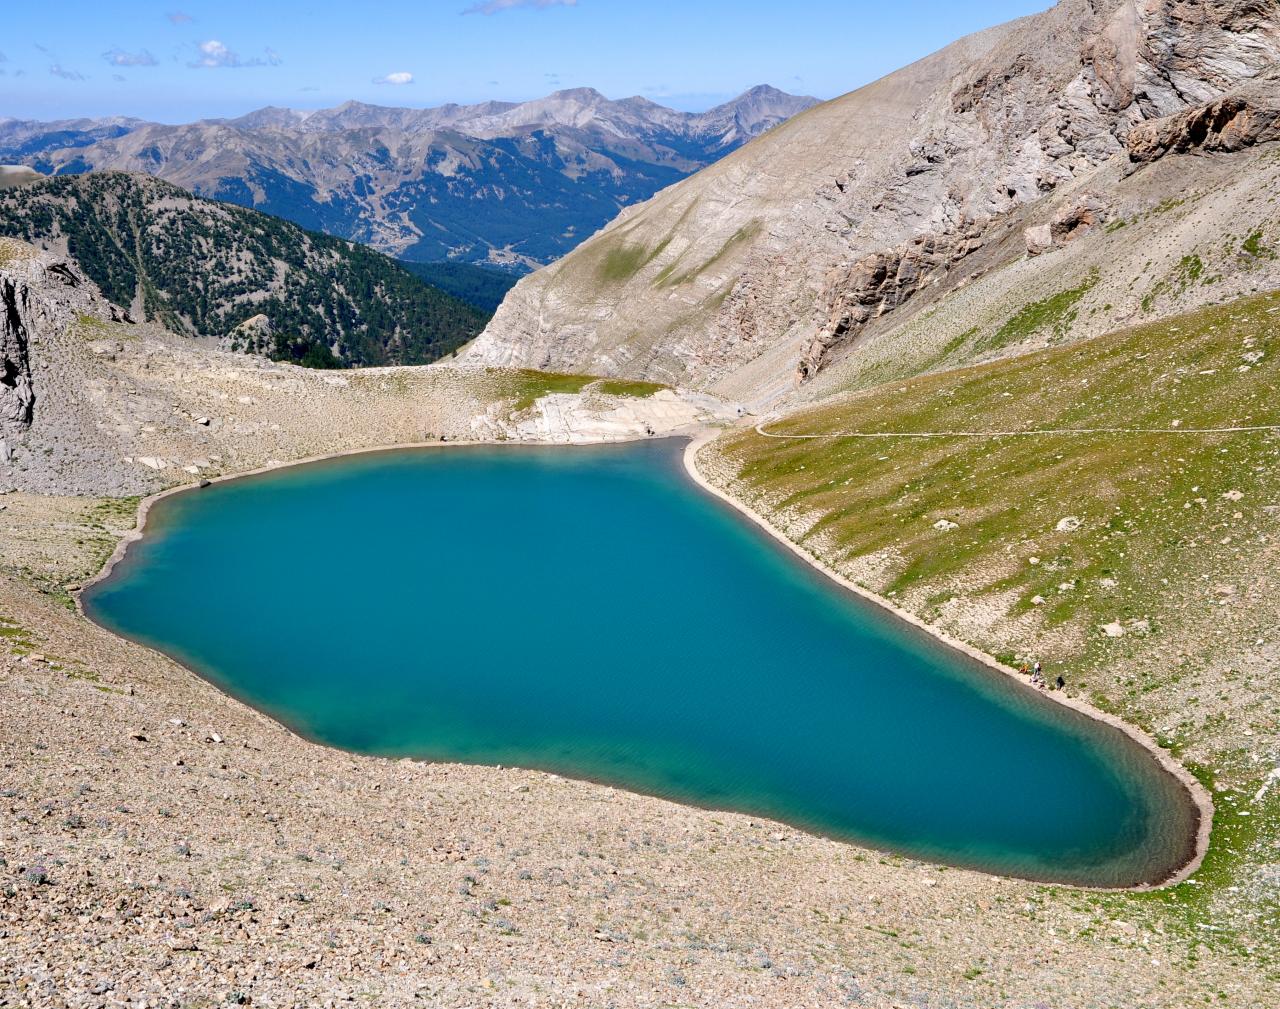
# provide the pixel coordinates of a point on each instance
(163, 845)
(166, 846)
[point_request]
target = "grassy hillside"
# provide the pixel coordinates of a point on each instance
(202, 268)
(1140, 566)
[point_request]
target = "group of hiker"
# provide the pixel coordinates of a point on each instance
(1036, 672)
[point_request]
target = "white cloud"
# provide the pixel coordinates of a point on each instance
(179, 18)
(498, 6)
(67, 75)
(215, 54)
(119, 58)
(400, 77)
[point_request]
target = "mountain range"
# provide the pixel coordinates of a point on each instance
(514, 185)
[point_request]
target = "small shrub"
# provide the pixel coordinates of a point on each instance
(1252, 245)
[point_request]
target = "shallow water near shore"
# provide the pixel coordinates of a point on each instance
(589, 611)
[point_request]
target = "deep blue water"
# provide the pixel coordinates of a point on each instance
(590, 611)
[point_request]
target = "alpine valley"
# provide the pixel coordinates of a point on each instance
(514, 185)
(935, 666)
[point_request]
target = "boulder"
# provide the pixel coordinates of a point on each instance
(1038, 239)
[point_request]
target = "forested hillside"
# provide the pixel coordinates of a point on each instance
(209, 269)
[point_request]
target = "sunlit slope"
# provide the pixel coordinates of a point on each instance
(1141, 566)
(668, 291)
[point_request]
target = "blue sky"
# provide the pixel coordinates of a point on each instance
(192, 60)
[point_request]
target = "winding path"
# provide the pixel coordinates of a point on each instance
(1017, 434)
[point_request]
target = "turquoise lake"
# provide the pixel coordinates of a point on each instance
(590, 611)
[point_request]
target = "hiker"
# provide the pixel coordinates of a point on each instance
(1060, 683)
(1024, 670)
(1039, 670)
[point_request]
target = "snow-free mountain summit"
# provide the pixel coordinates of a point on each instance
(512, 185)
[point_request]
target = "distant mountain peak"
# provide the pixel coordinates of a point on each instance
(505, 183)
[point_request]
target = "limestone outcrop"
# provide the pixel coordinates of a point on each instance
(254, 336)
(881, 282)
(1231, 123)
(1069, 223)
(38, 294)
(17, 397)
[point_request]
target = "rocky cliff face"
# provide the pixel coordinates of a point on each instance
(39, 294)
(760, 269)
(17, 398)
(1248, 116)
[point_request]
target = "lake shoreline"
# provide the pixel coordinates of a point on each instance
(698, 439)
(1198, 794)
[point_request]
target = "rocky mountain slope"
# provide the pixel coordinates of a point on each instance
(94, 402)
(861, 214)
(164, 841)
(257, 283)
(515, 185)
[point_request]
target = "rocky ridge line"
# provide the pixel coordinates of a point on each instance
(765, 267)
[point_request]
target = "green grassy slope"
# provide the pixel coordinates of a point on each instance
(1167, 540)
(526, 386)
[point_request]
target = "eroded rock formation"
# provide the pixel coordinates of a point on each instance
(877, 284)
(17, 396)
(39, 293)
(1231, 123)
(1140, 61)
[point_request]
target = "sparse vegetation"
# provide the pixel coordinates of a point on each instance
(668, 276)
(1053, 315)
(625, 387)
(528, 386)
(622, 262)
(1253, 246)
